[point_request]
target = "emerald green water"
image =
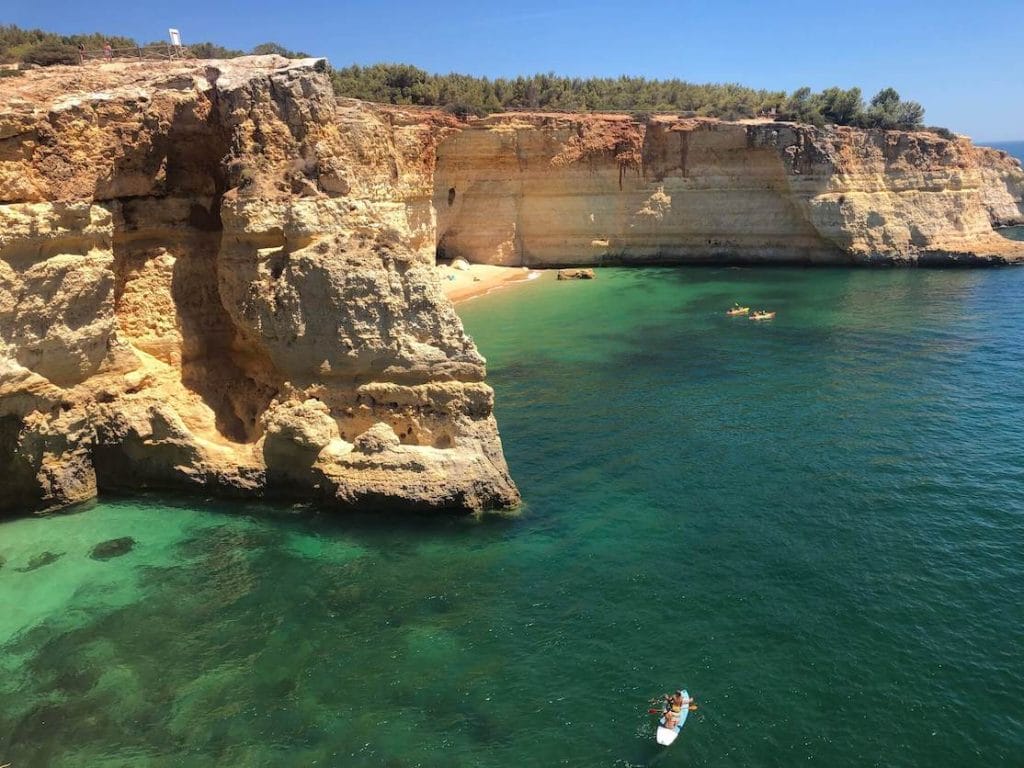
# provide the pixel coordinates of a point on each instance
(816, 525)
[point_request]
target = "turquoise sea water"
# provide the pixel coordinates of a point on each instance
(815, 524)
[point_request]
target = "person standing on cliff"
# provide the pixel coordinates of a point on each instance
(81, 53)
(108, 52)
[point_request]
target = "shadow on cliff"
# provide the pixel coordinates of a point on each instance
(180, 215)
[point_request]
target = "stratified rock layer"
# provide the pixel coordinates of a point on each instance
(550, 190)
(212, 277)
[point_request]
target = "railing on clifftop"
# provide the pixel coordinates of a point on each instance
(155, 52)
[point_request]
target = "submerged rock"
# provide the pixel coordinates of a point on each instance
(43, 558)
(107, 550)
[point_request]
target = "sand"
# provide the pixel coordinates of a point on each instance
(460, 285)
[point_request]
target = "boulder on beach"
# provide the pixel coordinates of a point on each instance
(576, 274)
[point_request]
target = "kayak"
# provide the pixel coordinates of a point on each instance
(763, 316)
(737, 311)
(666, 736)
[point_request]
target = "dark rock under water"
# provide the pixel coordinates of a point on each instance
(40, 560)
(106, 550)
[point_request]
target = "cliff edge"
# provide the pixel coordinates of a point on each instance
(562, 190)
(213, 277)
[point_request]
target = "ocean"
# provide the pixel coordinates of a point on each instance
(1015, 148)
(815, 524)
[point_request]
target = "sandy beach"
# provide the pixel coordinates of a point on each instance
(461, 285)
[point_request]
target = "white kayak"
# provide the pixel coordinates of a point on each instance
(666, 736)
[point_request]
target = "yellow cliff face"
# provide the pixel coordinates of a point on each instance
(212, 276)
(539, 190)
(215, 275)
(1002, 187)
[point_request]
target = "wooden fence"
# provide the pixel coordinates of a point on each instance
(158, 52)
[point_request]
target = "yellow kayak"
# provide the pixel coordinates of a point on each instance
(763, 316)
(737, 311)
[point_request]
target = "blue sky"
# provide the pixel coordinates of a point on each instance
(963, 61)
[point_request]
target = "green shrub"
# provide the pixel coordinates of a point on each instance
(802, 106)
(264, 49)
(839, 106)
(50, 52)
(888, 111)
(463, 111)
(846, 107)
(939, 131)
(213, 51)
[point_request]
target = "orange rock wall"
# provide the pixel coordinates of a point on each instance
(563, 190)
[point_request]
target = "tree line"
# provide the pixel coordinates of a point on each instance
(465, 95)
(405, 84)
(468, 95)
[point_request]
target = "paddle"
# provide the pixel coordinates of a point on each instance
(693, 708)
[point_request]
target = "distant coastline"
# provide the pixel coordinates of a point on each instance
(1015, 148)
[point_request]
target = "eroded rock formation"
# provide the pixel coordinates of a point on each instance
(551, 190)
(213, 277)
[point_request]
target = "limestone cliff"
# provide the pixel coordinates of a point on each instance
(211, 276)
(568, 190)
(1002, 188)
(214, 275)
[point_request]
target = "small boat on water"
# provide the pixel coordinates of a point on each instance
(759, 315)
(737, 310)
(666, 735)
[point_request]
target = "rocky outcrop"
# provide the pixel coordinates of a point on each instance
(576, 274)
(1002, 188)
(214, 277)
(550, 190)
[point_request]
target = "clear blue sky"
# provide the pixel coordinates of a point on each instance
(963, 61)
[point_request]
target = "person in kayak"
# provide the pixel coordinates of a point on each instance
(671, 719)
(677, 703)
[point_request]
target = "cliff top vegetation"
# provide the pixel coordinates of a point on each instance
(466, 94)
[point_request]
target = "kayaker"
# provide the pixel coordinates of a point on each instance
(677, 703)
(671, 719)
